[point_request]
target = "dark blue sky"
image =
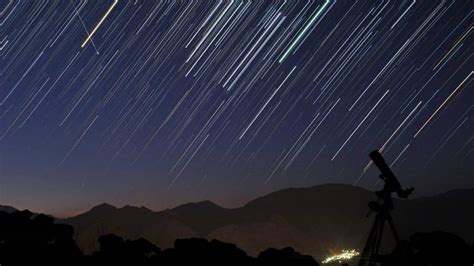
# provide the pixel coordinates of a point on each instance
(176, 101)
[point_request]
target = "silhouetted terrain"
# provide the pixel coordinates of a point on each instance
(8, 209)
(434, 248)
(28, 239)
(25, 238)
(312, 220)
(309, 220)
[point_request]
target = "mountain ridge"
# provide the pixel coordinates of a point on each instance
(311, 219)
(449, 192)
(7, 208)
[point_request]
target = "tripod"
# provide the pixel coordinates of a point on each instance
(370, 254)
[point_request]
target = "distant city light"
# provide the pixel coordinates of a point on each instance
(345, 255)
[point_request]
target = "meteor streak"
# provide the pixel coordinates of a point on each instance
(302, 32)
(89, 37)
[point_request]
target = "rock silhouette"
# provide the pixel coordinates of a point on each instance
(202, 251)
(114, 249)
(286, 255)
(435, 248)
(28, 239)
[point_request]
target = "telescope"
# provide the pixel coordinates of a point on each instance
(391, 181)
(370, 255)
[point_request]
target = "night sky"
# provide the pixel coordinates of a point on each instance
(158, 103)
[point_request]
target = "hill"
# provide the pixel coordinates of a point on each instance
(313, 220)
(8, 209)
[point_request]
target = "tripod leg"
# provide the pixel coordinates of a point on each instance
(394, 231)
(367, 254)
(375, 251)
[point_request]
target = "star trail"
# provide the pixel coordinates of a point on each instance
(157, 103)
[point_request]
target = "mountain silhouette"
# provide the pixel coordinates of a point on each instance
(8, 209)
(312, 220)
(161, 228)
(38, 239)
(200, 212)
